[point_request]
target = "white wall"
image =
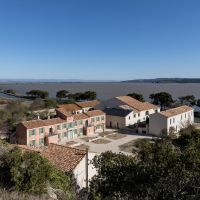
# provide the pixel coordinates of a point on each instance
(180, 121)
(80, 170)
(158, 122)
(134, 117)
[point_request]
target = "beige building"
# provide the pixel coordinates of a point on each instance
(171, 120)
(136, 111)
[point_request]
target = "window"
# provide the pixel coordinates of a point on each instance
(102, 118)
(98, 119)
(70, 125)
(41, 130)
(173, 120)
(80, 131)
(147, 113)
(181, 117)
(65, 134)
(93, 119)
(64, 126)
(73, 124)
(129, 118)
(32, 132)
(138, 114)
(32, 143)
(134, 115)
(58, 127)
(41, 141)
(75, 131)
(170, 121)
(185, 115)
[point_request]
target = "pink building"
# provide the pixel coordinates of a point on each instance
(69, 124)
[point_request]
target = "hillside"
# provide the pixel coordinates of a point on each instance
(164, 80)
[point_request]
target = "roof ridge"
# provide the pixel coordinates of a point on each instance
(60, 145)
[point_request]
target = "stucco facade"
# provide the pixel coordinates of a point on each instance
(65, 126)
(80, 170)
(140, 111)
(159, 122)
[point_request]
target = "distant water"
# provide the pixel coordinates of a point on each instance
(109, 90)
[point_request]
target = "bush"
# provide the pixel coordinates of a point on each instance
(30, 173)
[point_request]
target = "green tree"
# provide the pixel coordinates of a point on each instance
(168, 168)
(189, 99)
(137, 96)
(163, 99)
(10, 91)
(31, 173)
(62, 94)
(38, 94)
(198, 102)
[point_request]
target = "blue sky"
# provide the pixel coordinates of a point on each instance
(99, 39)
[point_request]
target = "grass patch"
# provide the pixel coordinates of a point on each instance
(101, 141)
(71, 143)
(86, 139)
(116, 136)
(82, 147)
(134, 145)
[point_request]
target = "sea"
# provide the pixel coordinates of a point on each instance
(108, 90)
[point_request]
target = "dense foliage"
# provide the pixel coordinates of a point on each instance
(137, 96)
(189, 99)
(88, 95)
(62, 94)
(163, 99)
(38, 94)
(165, 169)
(29, 172)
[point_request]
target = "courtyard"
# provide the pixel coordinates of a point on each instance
(109, 141)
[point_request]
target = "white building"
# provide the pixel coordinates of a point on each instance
(69, 160)
(118, 118)
(172, 119)
(136, 111)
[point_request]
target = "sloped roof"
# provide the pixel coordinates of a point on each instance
(69, 107)
(94, 113)
(41, 123)
(64, 112)
(62, 157)
(176, 111)
(117, 112)
(88, 104)
(135, 104)
(80, 116)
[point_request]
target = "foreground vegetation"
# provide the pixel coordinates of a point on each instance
(29, 173)
(164, 169)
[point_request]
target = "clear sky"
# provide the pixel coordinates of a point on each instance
(99, 39)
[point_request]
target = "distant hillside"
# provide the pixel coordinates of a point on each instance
(165, 80)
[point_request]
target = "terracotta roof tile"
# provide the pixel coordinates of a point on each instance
(40, 123)
(94, 113)
(87, 104)
(64, 112)
(80, 116)
(70, 107)
(135, 104)
(64, 158)
(176, 111)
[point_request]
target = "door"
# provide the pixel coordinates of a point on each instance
(110, 124)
